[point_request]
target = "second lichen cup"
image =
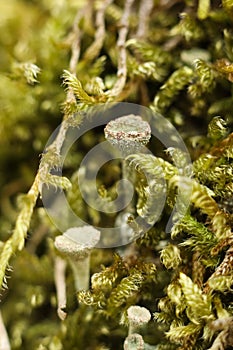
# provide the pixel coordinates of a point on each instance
(75, 244)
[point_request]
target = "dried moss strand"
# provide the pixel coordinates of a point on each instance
(75, 46)
(70, 97)
(143, 19)
(94, 49)
(75, 54)
(122, 64)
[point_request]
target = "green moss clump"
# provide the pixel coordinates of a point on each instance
(61, 60)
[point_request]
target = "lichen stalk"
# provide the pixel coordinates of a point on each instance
(4, 339)
(60, 284)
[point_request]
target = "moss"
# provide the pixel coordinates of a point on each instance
(61, 64)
